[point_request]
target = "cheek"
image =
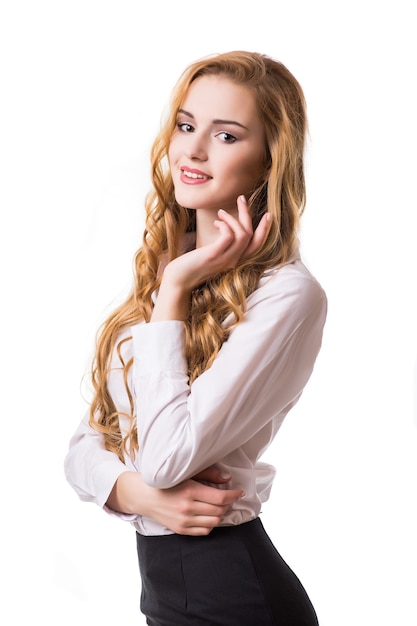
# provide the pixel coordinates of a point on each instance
(252, 170)
(258, 167)
(172, 152)
(172, 159)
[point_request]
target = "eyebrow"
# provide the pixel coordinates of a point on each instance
(216, 121)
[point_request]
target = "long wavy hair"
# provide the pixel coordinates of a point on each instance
(281, 192)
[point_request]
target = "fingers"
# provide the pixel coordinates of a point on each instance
(200, 519)
(244, 214)
(201, 526)
(236, 242)
(240, 227)
(243, 223)
(194, 531)
(198, 508)
(258, 237)
(235, 235)
(245, 242)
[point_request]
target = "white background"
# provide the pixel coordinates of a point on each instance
(83, 84)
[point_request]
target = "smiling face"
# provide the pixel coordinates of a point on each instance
(217, 151)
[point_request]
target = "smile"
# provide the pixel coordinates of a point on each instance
(193, 176)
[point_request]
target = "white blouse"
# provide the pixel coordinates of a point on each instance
(228, 416)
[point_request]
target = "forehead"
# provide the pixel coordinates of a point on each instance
(219, 97)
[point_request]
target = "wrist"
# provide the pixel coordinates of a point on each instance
(173, 301)
(127, 494)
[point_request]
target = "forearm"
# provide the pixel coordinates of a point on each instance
(186, 428)
(173, 302)
(191, 508)
(130, 495)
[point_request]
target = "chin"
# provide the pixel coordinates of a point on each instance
(187, 201)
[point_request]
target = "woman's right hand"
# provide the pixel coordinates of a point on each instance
(190, 508)
(236, 241)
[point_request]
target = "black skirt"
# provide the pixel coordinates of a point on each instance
(232, 577)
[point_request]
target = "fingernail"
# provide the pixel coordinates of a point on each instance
(225, 476)
(243, 494)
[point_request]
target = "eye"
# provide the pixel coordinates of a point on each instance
(184, 127)
(226, 137)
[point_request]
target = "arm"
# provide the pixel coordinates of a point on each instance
(257, 376)
(190, 508)
(98, 476)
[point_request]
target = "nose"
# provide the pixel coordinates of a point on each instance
(197, 147)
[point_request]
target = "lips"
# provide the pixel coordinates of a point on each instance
(193, 176)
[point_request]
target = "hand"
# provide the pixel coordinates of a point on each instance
(190, 508)
(236, 241)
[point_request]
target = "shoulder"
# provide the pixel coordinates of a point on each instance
(291, 282)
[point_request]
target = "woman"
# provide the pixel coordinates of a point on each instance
(199, 366)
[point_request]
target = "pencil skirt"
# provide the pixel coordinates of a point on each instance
(232, 577)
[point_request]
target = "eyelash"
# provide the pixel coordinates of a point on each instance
(185, 127)
(181, 124)
(230, 138)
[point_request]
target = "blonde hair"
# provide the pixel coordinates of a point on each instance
(281, 192)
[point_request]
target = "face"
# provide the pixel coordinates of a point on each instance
(217, 150)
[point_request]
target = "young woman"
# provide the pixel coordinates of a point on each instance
(196, 370)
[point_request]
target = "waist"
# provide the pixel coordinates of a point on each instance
(256, 482)
(222, 530)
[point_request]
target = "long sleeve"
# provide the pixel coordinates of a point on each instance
(240, 401)
(89, 467)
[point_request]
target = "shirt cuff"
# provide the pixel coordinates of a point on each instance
(109, 473)
(103, 477)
